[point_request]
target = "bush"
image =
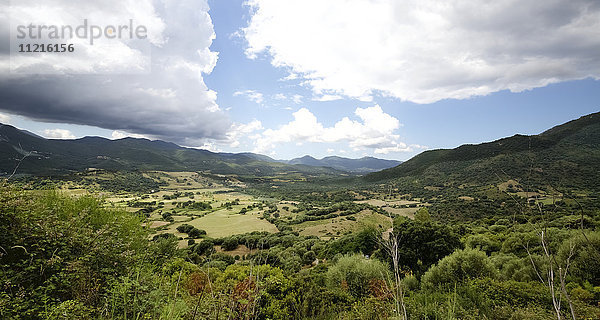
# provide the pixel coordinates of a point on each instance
(516, 268)
(168, 217)
(192, 231)
(308, 257)
(205, 247)
(219, 264)
(163, 236)
(60, 254)
(498, 228)
(229, 244)
(458, 267)
(219, 256)
(353, 273)
(586, 257)
(185, 228)
(482, 242)
(196, 233)
(410, 283)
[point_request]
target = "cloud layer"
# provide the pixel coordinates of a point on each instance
(172, 102)
(58, 134)
(374, 132)
(425, 50)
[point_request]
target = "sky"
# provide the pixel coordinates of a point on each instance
(286, 78)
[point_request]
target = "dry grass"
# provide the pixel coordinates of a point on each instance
(329, 228)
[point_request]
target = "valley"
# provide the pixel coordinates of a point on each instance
(475, 222)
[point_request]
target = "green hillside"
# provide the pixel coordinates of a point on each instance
(48, 157)
(362, 165)
(567, 156)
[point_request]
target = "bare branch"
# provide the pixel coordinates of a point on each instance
(19, 162)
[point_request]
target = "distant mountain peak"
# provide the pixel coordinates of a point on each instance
(58, 156)
(362, 165)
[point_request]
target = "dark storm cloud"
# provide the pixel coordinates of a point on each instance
(170, 102)
(117, 105)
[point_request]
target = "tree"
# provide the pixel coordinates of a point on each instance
(309, 257)
(422, 215)
(421, 244)
(205, 247)
(196, 233)
(185, 228)
(230, 243)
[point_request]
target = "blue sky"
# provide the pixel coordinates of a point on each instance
(289, 78)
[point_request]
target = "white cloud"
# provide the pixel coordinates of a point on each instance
(117, 134)
(58, 134)
(328, 97)
(399, 147)
(170, 102)
(162, 93)
(4, 118)
(120, 54)
(297, 98)
(239, 130)
(251, 95)
(375, 130)
(279, 96)
(291, 76)
(210, 146)
(426, 50)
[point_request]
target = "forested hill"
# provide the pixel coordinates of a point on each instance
(362, 165)
(49, 156)
(359, 166)
(567, 155)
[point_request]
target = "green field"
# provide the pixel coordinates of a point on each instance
(331, 228)
(225, 222)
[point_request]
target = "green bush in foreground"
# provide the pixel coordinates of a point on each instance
(459, 267)
(357, 275)
(64, 257)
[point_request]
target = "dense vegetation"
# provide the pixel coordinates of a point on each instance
(566, 157)
(69, 258)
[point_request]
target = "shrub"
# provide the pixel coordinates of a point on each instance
(196, 233)
(59, 254)
(458, 267)
(308, 257)
(205, 247)
(219, 256)
(229, 244)
(352, 273)
(483, 242)
(586, 258)
(185, 228)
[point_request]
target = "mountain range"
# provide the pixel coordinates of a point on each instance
(566, 156)
(362, 165)
(42, 156)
